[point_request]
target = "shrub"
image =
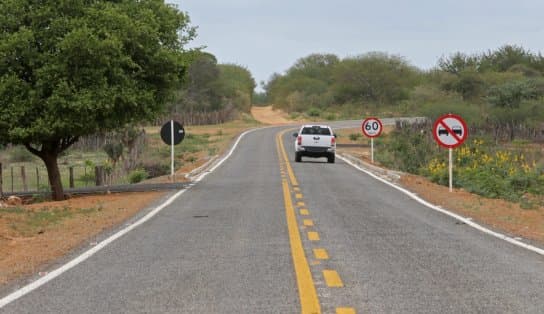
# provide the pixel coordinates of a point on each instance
(137, 175)
(314, 112)
(355, 136)
(155, 169)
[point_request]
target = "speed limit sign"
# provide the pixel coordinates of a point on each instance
(372, 127)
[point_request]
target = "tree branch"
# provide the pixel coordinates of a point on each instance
(32, 149)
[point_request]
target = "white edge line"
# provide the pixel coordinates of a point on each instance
(85, 255)
(436, 208)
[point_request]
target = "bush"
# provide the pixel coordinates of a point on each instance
(354, 136)
(313, 112)
(494, 174)
(137, 175)
(155, 169)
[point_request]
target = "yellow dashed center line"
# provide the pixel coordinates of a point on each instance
(307, 292)
(309, 301)
(313, 236)
(321, 254)
(332, 279)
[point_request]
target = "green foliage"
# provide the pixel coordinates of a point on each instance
(20, 154)
(375, 78)
(213, 87)
(481, 169)
(313, 112)
(114, 151)
(354, 136)
(260, 99)
(406, 150)
(155, 169)
(72, 69)
(137, 175)
(237, 85)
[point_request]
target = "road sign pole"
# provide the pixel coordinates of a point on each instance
(372, 149)
(172, 155)
(451, 169)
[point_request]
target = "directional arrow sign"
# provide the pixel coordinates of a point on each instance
(450, 131)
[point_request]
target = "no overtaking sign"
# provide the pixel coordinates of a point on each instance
(450, 131)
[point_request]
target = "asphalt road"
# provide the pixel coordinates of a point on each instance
(229, 245)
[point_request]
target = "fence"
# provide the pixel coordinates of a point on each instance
(30, 178)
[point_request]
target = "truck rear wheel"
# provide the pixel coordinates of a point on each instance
(298, 157)
(330, 158)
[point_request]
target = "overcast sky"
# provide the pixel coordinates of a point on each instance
(268, 36)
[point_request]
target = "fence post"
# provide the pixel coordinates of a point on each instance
(71, 177)
(23, 178)
(98, 174)
(37, 179)
(11, 170)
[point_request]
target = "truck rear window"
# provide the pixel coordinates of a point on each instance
(316, 130)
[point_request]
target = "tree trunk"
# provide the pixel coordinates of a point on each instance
(55, 182)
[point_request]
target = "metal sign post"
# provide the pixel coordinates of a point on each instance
(172, 133)
(372, 149)
(172, 174)
(450, 131)
(451, 169)
(372, 127)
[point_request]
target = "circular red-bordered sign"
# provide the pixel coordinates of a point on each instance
(450, 130)
(372, 127)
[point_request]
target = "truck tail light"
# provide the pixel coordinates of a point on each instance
(333, 141)
(299, 140)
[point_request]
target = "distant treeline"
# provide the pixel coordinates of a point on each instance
(212, 92)
(500, 92)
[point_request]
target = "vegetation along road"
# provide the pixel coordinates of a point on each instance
(295, 237)
(85, 87)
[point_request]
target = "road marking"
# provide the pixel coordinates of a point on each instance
(296, 189)
(332, 279)
(321, 254)
(345, 310)
(292, 177)
(301, 204)
(468, 222)
(309, 301)
(298, 196)
(304, 212)
(313, 236)
(308, 222)
(87, 254)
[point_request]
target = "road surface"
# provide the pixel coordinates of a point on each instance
(263, 234)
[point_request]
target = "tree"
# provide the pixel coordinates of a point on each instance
(374, 77)
(507, 100)
(73, 68)
(236, 85)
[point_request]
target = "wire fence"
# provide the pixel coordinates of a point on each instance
(30, 178)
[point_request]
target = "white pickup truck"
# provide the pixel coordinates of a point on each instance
(315, 141)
